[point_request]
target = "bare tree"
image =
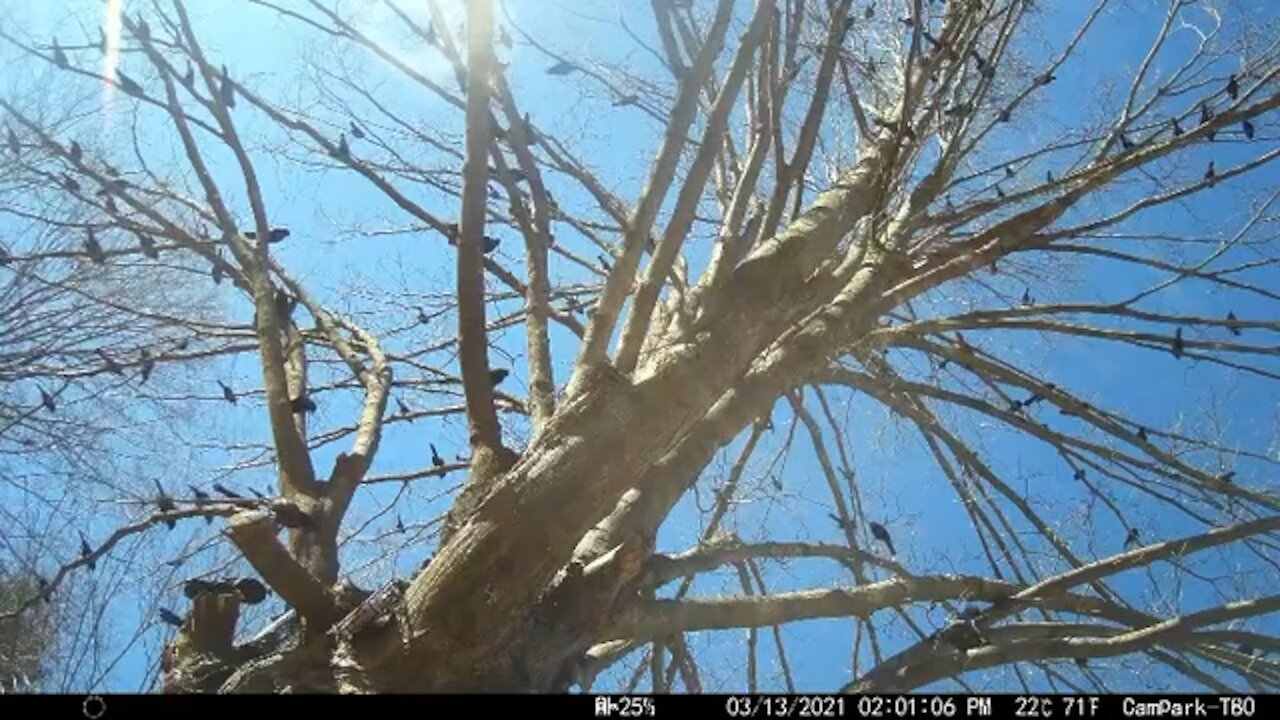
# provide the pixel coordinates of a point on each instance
(846, 214)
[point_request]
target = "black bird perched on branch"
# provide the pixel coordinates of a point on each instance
(564, 67)
(1206, 114)
(148, 364)
(148, 246)
(1210, 173)
(12, 139)
(170, 617)
(1233, 87)
(227, 89)
(93, 247)
(216, 274)
(76, 153)
(274, 235)
(164, 503)
(47, 401)
(1233, 323)
(1247, 128)
(497, 375)
(879, 532)
(59, 57)
(1227, 478)
(290, 515)
(128, 85)
(1177, 129)
(302, 404)
(219, 488)
(251, 591)
(436, 460)
(201, 495)
(112, 366)
(399, 525)
(227, 393)
(1131, 540)
(196, 587)
(86, 552)
(356, 132)
(342, 152)
(490, 243)
(189, 78)
(1177, 345)
(404, 409)
(1027, 300)
(1142, 433)
(257, 493)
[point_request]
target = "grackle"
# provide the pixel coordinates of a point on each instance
(86, 552)
(1210, 173)
(59, 57)
(302, 404)
(170, 617)
(564, 67)
(251, 591)
(436, 460)
(1247, 128)
(93, 247)
(490, 244)
(196, 587)
(227, 393)
(111, 365)
(12, 139)
(164, 503)
(47, 401)
(399, 525)
(1233, 87)
(189, 79)
(342, 152)
(227, 89)
(1233, 323)
(879, 532)
(1142, 433)
(216, 274)
(128, 85)
(274, 235)
(76, 153)
(497, 375)
(1131, 540)
(1026, 297)
(404, 409)
(1177, 129)
(1177, 344)
(356, 132)
(1206, 114)
(148, 246)
(219, 488)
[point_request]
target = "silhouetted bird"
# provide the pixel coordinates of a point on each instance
(12, 139)
(1227, 478)
(290, 515)
(112, 366)
(564, 67)
(148, 365)
(76, 152)
(222, 490)
(227, 89)
(216, 274)
(490, 244)
(1233, 87)
(870, 12)
(1177, 344)
(1142, 434)
(274, 235)
(625, 100)
(1008, 171)
(59, 57)
(1131, 540)
(148, 246)
(43, 585)
(1233, 323)
(1026, 297)
(1210, 173)
(436, 460)
(1247, 128)
(196, 587)
(1177, 129)
(170, 617)
(164, 503)
(497, 375)
(342, 152)
(356, 132)
(1082, 663)
(302, 404)
(128, 85)
(1046, 78)
(399, 525)
(879, 532)
(227, 393)
(404, 409)
(257, 493)
(143, 30)
(999, 191)
(93, 248)
(1206, 113)
(102, 41)
(189, 78)
(604, 263)
(86, 552)
(198, 493)
(47, 401)
(251, 591)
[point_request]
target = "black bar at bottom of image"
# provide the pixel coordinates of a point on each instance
(939, 706)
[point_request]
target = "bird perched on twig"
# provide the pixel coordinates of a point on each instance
(170, 617)
(274, 235)
(1131, 540)
(164, 503)
(879, 532)
(436, 460)
(251, 591)
(1177, 344)
(227, 393)
(497, 375)
(221, 489)
(1233, 323)
(86, 552)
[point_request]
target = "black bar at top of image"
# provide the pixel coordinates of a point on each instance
(743, 705)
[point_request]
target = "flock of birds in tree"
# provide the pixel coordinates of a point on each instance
(289, 515)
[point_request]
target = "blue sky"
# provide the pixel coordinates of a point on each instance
(339, 248)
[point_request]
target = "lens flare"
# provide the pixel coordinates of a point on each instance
(111, 58)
